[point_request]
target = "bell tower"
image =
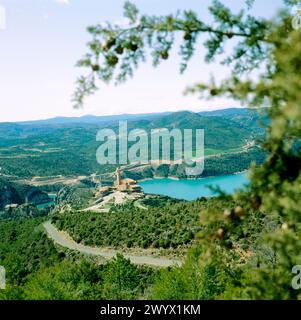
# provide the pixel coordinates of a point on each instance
(118, 177)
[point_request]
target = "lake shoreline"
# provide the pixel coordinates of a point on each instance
(191, 189)
(182, 179)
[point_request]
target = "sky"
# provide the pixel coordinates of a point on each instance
(41, 40)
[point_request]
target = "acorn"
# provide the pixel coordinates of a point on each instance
(94, 46)
(170, 19)
(109, 44)
(133, 47)
(220, 234)
(112, 60)
(255, 202)
(95, 67)
(187, 36)
(105, 48)
(213, 92)
(119, 50)
(164, 55)
(272, 159)
(239, 212)
(227, 214)
(285, 226)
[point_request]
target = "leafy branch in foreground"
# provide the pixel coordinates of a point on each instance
(116, 51)
(265, 60)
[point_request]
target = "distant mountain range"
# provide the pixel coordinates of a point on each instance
(226, 112)
(226, 125)
(67, 146)
(92, 119)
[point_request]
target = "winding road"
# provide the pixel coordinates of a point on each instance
(60, 238)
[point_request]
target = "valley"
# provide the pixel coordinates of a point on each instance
(80, 211)
(60, 154)
(170, 169)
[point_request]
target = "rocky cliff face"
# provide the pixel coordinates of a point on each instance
(23, 211)
(14, 193)
(8, 194)
(38, 197)
(77, 196)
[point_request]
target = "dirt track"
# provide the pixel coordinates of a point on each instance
(65, 241)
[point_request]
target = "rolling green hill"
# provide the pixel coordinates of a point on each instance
(69, 149)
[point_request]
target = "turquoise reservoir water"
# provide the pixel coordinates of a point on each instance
(44, 205)
(193, 189)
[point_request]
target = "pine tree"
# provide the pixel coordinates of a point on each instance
(258, 239)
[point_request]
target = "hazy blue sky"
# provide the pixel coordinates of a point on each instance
(43, 40)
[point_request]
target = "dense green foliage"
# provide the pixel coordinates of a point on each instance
(117, 279)
(158, 201)
(229, 245)
(128, 226)
(215, 166)
(24, 249)
(36, 269)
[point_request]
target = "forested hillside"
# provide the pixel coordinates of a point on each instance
(36, 269)
(240, 246)
(29, 150)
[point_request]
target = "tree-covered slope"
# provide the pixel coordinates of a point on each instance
(36, 269)
(29, 150)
